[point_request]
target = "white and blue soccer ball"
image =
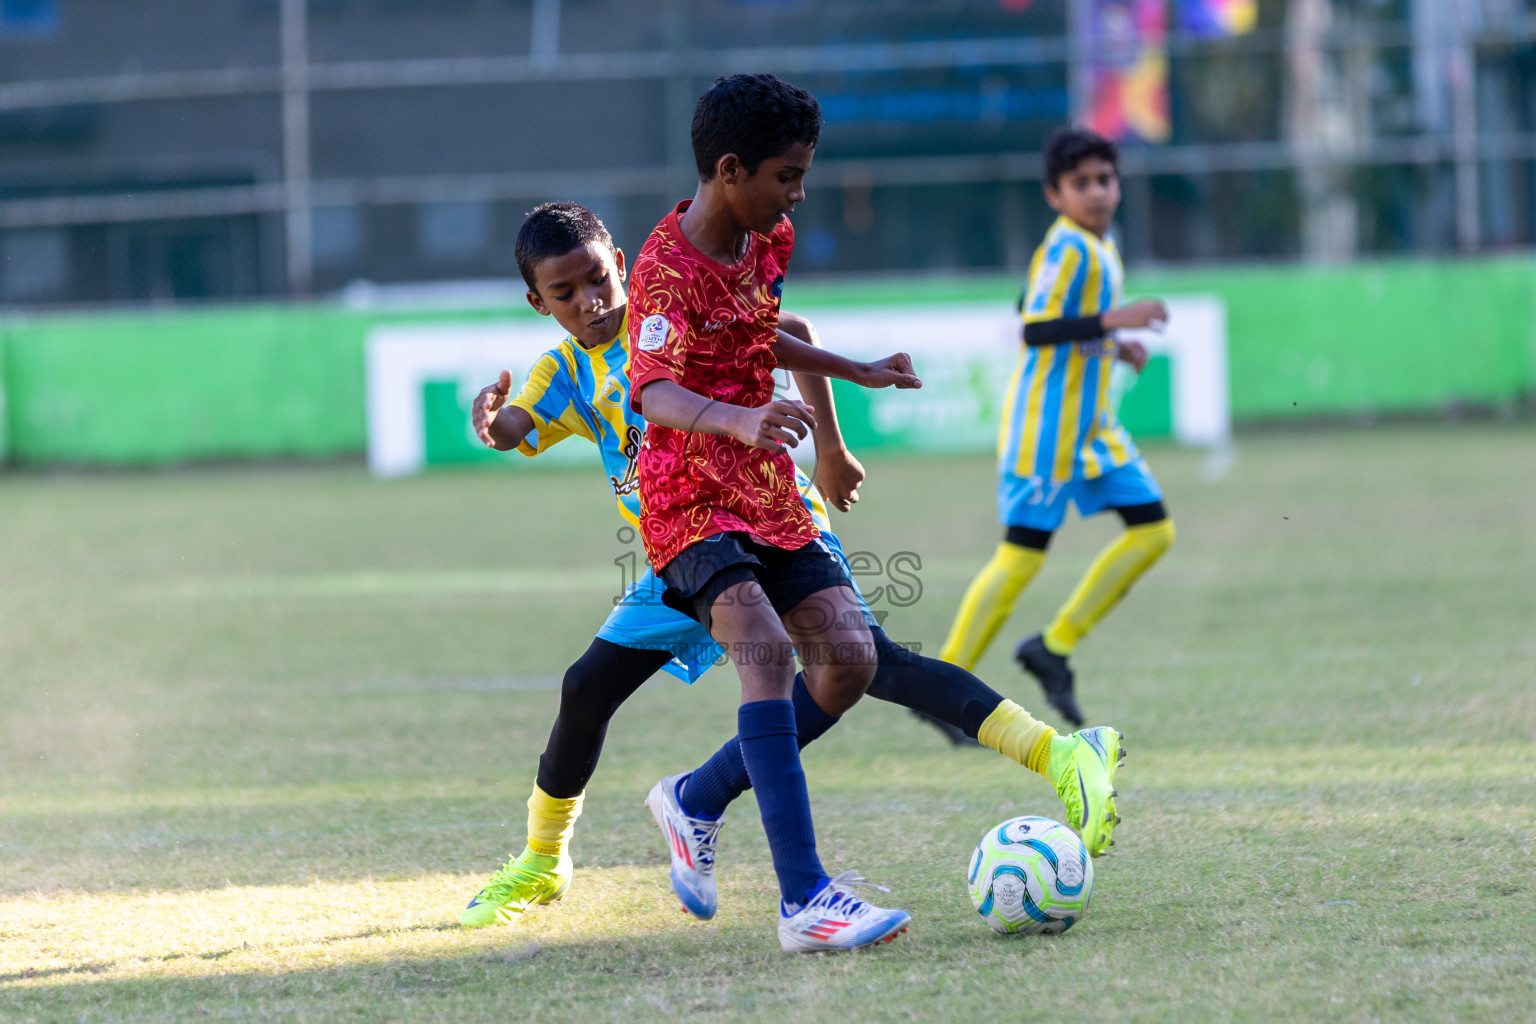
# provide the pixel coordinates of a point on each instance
(1030, 876)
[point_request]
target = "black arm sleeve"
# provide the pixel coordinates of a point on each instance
(1064, 330)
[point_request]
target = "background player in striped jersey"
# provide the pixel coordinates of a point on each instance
(1059, 442)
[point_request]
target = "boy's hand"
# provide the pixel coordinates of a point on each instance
(892, 371)
(487, 403)
(1132, 352)
(773, 426)
(838, 476)
(1146, 313)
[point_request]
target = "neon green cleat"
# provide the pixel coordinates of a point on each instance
(525, 881)
(1082, 767)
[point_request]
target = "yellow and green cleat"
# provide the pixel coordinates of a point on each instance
(1082, 768)
(527, 880)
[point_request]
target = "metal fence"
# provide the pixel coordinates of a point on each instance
(1332, 129)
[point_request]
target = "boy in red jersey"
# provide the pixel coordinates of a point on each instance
(722, 521)
(575, 273)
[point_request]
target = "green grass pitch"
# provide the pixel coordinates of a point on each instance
(266, 731)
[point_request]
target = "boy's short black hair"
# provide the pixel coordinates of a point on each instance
(554, 229)
(757, 117)
(1069, 147)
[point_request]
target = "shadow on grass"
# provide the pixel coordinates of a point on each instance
(285, 844)
(354, 990)
(709, 972)
(97, 967)
(94, 967)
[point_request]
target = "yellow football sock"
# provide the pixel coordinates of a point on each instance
(988, 602)
(1014, 733)
(1106, 581)
(551, 822)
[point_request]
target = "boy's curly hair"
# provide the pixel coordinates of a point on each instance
(757, 117)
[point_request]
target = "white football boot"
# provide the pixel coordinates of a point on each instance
(691, 843)
(836, 919)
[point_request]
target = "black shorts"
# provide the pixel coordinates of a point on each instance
(705, 569)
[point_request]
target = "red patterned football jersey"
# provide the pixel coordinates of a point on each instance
(710, 328)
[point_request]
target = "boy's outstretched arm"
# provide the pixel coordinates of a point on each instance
(1146, 313)
(497, 424)
(1065, 330)
(838, 473)
(773, 426)
(892, 371)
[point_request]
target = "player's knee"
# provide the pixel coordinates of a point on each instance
(837, 688)
(842, 671)
(582, 698)
(1157, 536)
(862, 671)
(853, 667)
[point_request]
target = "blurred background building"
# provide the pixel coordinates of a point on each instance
(176, 150)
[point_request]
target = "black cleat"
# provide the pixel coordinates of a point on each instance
(1054, 674)
(953, 733)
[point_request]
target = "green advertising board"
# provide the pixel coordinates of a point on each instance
(133, 388)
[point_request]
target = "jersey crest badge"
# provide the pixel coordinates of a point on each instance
(612, 393)
(653, 333)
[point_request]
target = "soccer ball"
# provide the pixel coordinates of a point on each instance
(1030, 876)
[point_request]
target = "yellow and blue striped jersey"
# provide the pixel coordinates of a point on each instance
(1058, 423)
(585, 392)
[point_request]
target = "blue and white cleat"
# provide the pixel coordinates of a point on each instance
(836, 919)
(691, 843)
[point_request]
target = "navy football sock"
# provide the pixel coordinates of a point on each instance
(711, 788)
(767, 732)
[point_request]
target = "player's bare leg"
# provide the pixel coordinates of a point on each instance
(835, 646)
(743, 622)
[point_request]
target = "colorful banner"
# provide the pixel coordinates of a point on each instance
(1127, 55)
(1218, 19)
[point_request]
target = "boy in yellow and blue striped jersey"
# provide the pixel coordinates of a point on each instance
(1059, 441)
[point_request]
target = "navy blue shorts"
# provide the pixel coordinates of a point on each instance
(704, 570)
